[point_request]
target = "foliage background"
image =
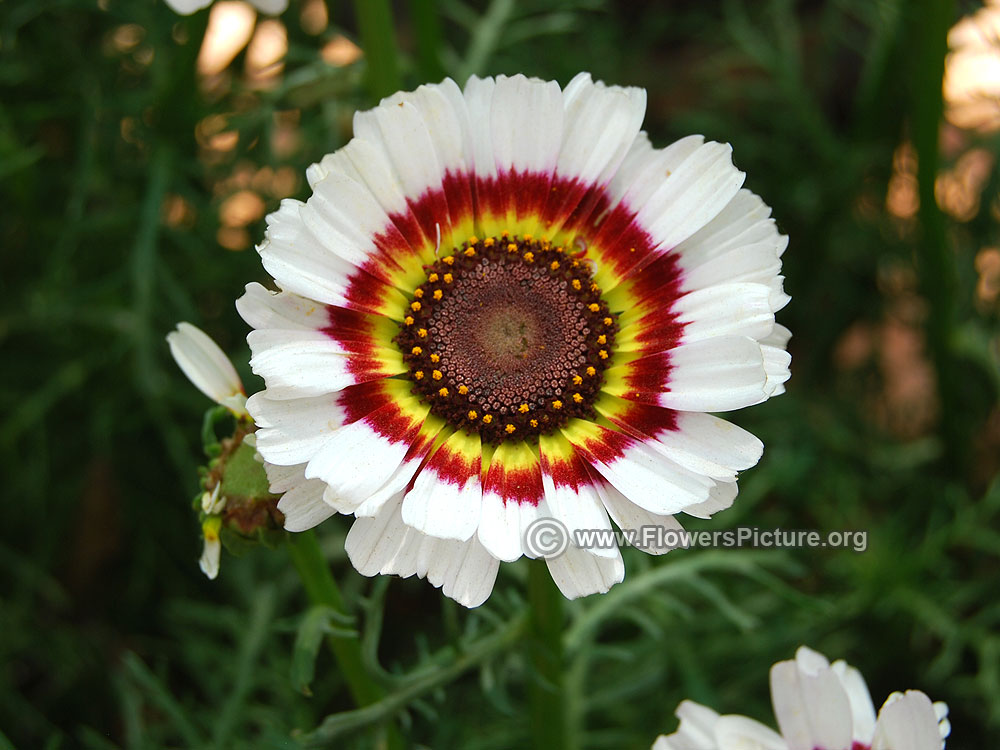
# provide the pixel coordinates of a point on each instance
(133, 188)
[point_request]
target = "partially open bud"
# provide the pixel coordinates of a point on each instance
(207, 367)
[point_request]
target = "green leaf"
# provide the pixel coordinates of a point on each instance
(316, 623)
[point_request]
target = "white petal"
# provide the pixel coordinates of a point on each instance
(292, 431)
(601, 123)
(300, 363)
(206, 366)
(726, 310)
(776, 364)
(443, 504)
(629, 516)
(262, 308)
(907, 722)
(744, 222)
(357, 460)
(478, 95)
(651, 481)
(464, 571)
(720, 497)
(697, 728)
(301, 499)
(644, 169)
(741, 733)
(211, 555)
(754, 264)
(862, 708)
(811, 707)
(691, 196)
(717, 374)
(526, 124)
(502, 526)
(299, 262)
(579, 573)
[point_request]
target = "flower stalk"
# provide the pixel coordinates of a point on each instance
(549, 712)
(321, 588)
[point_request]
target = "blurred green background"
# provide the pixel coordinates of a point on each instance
(138, 157)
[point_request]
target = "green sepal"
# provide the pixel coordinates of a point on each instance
(244, 476)
(209, 438)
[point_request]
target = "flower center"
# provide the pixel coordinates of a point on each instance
(508, 337)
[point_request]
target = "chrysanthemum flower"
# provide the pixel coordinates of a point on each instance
(503, 304)
(819, 706)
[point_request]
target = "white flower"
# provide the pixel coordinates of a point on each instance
(818, 705)
(187, 7)
(207, 367)
(212, 550)
(502, 304)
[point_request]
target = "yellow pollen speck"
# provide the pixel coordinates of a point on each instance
(591, 371)
(533, 423)
(602, 339)
(408, 320)
(418, 293)
(577, 397)
(511, 248)
(528, 238)
(472, 414)
(576, 264)
(487, 418)
(473, 240)
(505, 234)
(419, 375)
(463, 389)
(510, 428)
(489, 242)
(577, 380)
(416, 350)
(443, 392)
(432, 278)
(554, 265)
(557, 404)
(631, 249)
(529, 257)
(438, 294)
(602, 354)
(448, 278)
(559, 249)
(595, 288)
(608, 321)
(523, 408)
(576, 284)
(593, 307)
(470, 251)
(435, 358)
(437, 375)
(422, 333)
(414, 306)
(450, 259)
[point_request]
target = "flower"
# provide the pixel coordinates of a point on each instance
(187, 7)
(247, 509)
(502, 304)
(207, 367)
(817, 705)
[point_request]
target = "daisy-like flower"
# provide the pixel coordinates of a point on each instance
(819, 706)
(187, 7)
(502, 304)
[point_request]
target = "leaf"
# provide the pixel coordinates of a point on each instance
(318, 622)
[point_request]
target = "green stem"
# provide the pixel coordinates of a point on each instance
(378, 39)
(929, 42)
(428, 28)
(321, 588)
(549, 713)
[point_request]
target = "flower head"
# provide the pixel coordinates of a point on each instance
(502, 304)
(817, 705)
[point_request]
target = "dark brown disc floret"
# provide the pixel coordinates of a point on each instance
(508, 337)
